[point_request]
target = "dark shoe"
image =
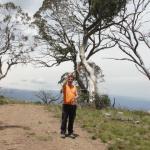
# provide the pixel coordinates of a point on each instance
(71, 136)
(63, 136)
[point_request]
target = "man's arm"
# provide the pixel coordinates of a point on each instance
(76, 94)
(76, 97)
(64, 84)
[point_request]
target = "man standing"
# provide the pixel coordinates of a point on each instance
(69, 106)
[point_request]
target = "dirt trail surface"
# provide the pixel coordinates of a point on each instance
(32, 127)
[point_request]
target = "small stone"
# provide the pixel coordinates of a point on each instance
(137, 122)
(107, 114)
(120, 112)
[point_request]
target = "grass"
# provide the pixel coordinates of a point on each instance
(122, 129)
(5, 100)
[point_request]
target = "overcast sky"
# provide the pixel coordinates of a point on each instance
(121, 78)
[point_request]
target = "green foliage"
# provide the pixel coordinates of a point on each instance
(106, 9)
(83, 98)
(7, 18)
(9, 5)
(3, 100)
(102, 101)
(49, 3)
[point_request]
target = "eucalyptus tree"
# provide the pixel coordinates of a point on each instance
(73, 30)
(14, 37)
(133, 35)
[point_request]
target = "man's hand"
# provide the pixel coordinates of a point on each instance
(75, 100)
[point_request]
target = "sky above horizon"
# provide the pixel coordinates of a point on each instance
(121, 78)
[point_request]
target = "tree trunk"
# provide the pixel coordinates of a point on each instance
(81, 84)
(90, 73)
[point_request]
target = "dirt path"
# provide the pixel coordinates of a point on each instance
(31, 127)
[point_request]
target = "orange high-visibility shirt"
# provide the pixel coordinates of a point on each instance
(69, 92)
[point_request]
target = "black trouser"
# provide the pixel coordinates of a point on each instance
(68, 112)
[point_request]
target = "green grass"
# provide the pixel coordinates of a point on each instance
(121, 129)
(4, 100)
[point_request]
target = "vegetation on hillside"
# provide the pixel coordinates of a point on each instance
(5, 100)
(121, 129)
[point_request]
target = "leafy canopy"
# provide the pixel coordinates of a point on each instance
(106, 9)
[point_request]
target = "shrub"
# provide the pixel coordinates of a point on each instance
(3, 100)
(102, 101)
(83, 99)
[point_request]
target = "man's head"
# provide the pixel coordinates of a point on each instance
(70, 78)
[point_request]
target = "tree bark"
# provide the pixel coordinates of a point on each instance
(90, 73)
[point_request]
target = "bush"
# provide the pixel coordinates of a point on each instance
(2, 97)
(102, 101)
(3, 100)
(83, 99)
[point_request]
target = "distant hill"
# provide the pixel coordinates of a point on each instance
(131, 102)
(20, 94)
(121, 101)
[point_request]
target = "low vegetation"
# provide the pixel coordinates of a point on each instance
(5, 100)
(121, 129)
